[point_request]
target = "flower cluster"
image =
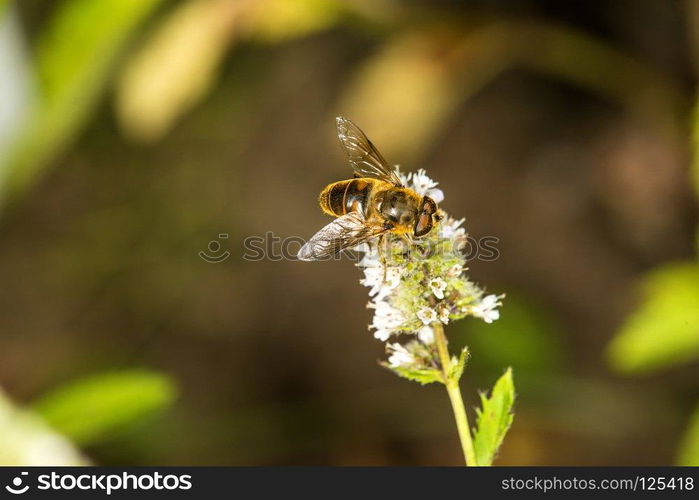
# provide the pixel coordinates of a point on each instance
(415, 286)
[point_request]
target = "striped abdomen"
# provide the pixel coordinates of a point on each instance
(340, 198)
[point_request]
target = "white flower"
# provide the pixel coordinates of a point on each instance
(398, 292)
(455, 271)
(372, 278)
(426, 335)
(427, 315)
(451, 228)
(443, 311)
(425, 186)
(382, 335)
(381, 283)
(487, 308)
(387, 320)
(438, 285)
(399, 356)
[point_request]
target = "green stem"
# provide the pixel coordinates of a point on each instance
(457, 403)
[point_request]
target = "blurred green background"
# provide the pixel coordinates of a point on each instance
(134, 132)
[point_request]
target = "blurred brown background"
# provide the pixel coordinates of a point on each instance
(563, 129)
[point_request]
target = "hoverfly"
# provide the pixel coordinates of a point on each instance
(370, 205)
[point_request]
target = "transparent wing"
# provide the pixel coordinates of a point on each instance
(365, 159)
(344, 232)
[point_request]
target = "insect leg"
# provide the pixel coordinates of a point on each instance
(408, 243)
(382, 255)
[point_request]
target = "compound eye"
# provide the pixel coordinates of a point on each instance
(423, 225)
(428, 205)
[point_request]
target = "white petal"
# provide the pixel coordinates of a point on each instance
(399, 355)
(487, 308)
(426, 335)
(382, 335)
(436, 194)
(438, 285)
(427, 315)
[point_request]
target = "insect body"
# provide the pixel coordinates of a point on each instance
(375, 202)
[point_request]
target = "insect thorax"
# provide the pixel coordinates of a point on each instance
(398, 206)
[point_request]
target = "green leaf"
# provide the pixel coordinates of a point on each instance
(493, 419)
(421, 376)
(280, 20)
(419, 72)
(458, 365)
(664, 330)
(177, 66)
(689, 446)
(74, 55)
(93, 408)
(16, 83)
